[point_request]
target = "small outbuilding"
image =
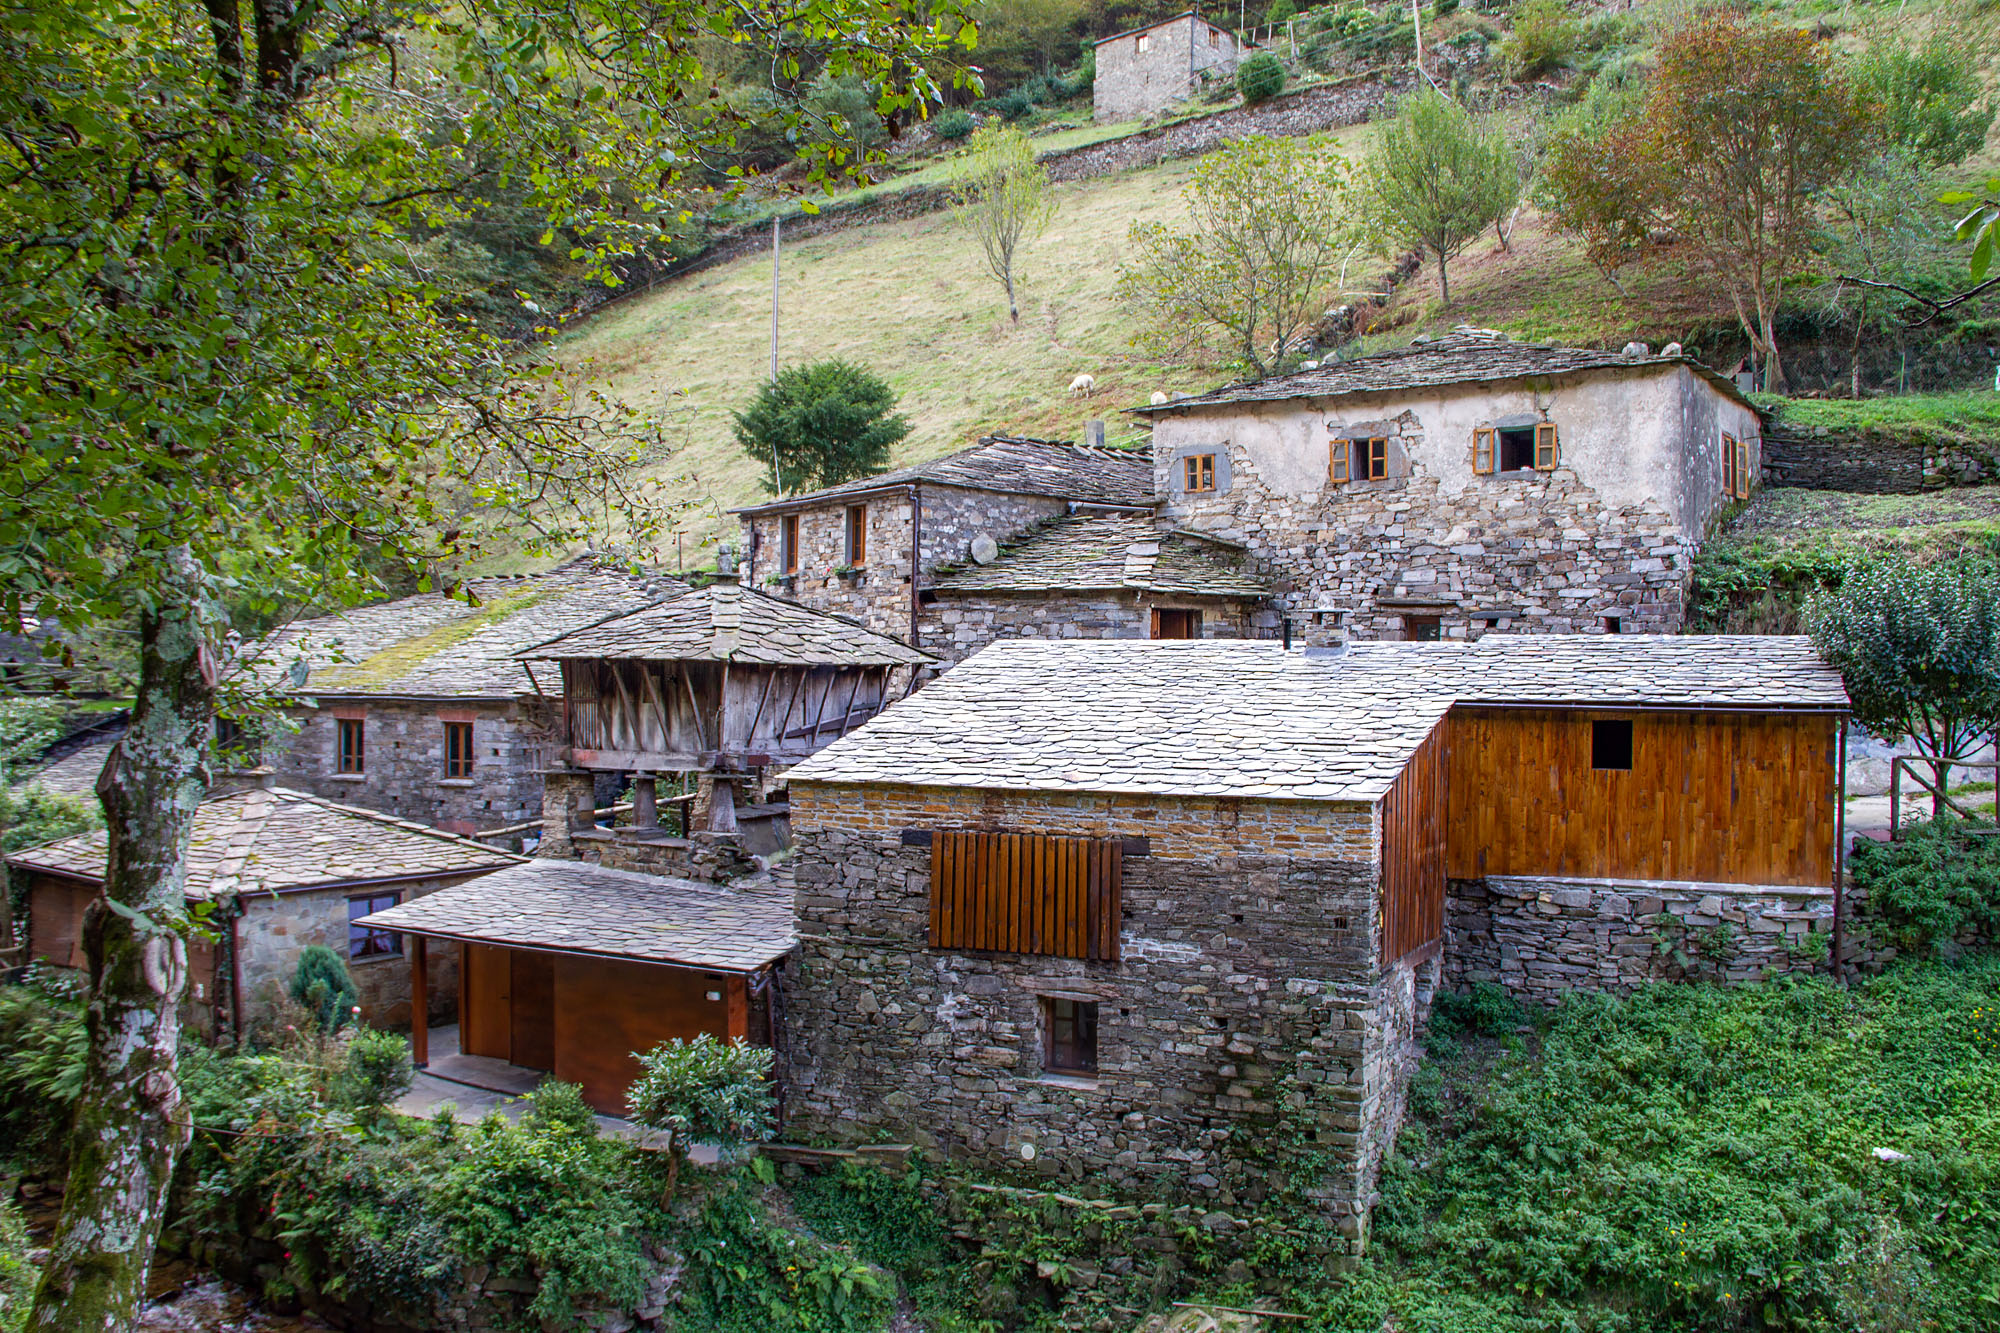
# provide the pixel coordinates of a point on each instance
(1144, 71)
(1118, 911)
(571, 968)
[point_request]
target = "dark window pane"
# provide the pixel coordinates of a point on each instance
(1611, 744)
(1072, 1036)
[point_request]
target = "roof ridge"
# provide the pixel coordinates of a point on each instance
(388, 820)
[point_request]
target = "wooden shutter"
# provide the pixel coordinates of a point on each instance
(1027, 893)
(1378, 459)
(1743, 469)
(1728, 464)
(1485, 444)
(1339, 457)
(1546, 453)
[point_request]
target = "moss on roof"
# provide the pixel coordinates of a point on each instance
(400, 659)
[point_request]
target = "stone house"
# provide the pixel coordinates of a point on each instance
(1466, 483)
(281, 869)
(865, 549)
(1112, 912)
(1098, 576)
(1144, 71)
(418, 708)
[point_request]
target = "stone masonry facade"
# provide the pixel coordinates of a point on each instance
(878, 593)
(403, 771)
(955, 627)
(1148, 71)
(1248, 992)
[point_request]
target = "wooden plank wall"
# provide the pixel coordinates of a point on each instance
(667, 708)
(608, 1008)
(1413, 850)
(1735, 798)
(55, 919)
(1027, 893)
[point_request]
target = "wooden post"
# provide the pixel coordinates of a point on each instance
(420, 1008)
(645, 805)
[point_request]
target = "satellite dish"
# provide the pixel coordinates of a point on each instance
(984, 550)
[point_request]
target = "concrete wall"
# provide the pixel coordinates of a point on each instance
(1180, 56)
(1610, 532)
(1248, 991)
(404, 770)
(957, 626)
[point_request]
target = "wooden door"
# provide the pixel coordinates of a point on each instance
(534, 1006)
(607, 1008)
(485, 988)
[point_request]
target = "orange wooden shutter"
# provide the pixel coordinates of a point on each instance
(1027, 893)
(1483, 446)
(1545, 447)
(1743, 469)
(1338, 465)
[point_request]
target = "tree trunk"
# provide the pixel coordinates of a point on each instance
(129, 1123)
(1444, 281)
(1013, 312)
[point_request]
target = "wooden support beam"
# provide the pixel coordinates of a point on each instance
(420, 1006)
(700, 730)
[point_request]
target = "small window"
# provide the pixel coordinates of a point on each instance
(1423, 629)
(1214, 37)
(1743, 476)
(1340, 462)
(1611, 745)
(1145, 41)
(372, 941)
(1174, 623)
(458, 749)
(857, 536)
(1614, 624)
(350, 752)
(1358, 460)
(1072, 1029)
(1517, 449)
(788, 544)
(1198, 473)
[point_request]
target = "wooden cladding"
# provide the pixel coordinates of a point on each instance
(1027, 893)
(1413, 851)
(1733, 798)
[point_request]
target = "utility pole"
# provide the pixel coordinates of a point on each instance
(777, 222)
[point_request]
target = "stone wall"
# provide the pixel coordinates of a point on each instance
(955, 626)
(1870, 463)
(1540, 937)
(404, 760)
(1179, 59)
(1247, 991)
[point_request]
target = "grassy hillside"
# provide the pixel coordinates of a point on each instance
(914, 301)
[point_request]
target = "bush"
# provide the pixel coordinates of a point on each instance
(746, 1276)
(1443, 7)
(320, 984)
(557, 1105)
(377, 1071)
(1544, 38)
(953, 124)
(17, 1275)
(1260, 78)
(1281, 11)
(1936, 880)
(43, 1045)
(1485, 1011)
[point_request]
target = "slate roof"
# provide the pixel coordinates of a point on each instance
(576, 907)
(726, 622)
(1233, 718)
(1464, 356)
(1015, 465)
(433, 646)
(267, 839)
(1097, 552)
(75, 774)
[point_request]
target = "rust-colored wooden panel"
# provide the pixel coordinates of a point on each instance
(1026, 893)
(1742, 798)
(1413, 851)
(486, 1025)
(532, 1017)
(55, 919)
(606, 1009)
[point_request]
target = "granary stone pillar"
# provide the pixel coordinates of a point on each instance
(568, 802)
(721, 807)
(645, 802)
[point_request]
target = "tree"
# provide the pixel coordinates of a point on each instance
(704, 1091)
(1260, 78)
(1882, 235)
(1003, 195)
(1270, 223)
(322, 987)
(821, 424)
(1438, 178)
(1919, 652)
(227, 384)
(1931, 98)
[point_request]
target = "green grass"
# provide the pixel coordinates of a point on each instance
(1972, 415)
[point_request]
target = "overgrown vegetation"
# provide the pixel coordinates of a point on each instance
(1938, 879)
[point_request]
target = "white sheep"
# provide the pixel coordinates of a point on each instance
(1083, 386)
(1159, 396)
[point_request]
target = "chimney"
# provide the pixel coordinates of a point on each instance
(1093, 434)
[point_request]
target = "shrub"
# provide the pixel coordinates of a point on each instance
(558, 1105)
(320, 985)
(1485, 1011)
(953, 124)
(1281, 11)
(17, 1275)
(704, 1091)
(1443, 7)
(1936, 880)
(1260, 78)
(43, 1046)
(377, 1071)
(1544, 38)
(746, 1276)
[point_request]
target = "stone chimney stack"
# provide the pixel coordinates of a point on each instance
(1093, 434)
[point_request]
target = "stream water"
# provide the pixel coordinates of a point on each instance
(203, 1303)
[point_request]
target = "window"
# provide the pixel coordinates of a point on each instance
(350, 752)
(372, 941)
(458, 749)
(1611, 745)
(857, 536)
(1545, 447)
(1515, 449)
(1145, 41)
(788, 544)
(1214, 37)
(1198, 473)
(1027, 893)
(1072, 1029)
(1174, 623)
(1614, 624)
(1743, 475)
(1358, 460)
(1484, 443)
(1423, 629)
(1735, 467)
